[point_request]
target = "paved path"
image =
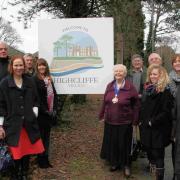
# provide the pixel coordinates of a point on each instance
(140, 172)
(168, 165)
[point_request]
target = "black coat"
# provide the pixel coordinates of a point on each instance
(4, 67)
(177, 129)
(157, 109)
(44, 119)
(16, 106)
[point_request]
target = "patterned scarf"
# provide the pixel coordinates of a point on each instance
(150, 89)
(50, 94)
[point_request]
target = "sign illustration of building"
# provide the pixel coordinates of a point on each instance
(74, 52)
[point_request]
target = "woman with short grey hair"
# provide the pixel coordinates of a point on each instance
(119, 113)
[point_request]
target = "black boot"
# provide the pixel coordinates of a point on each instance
(159, 173)
(24, 167)
(42, 162)
(47, 161)
(16, 171)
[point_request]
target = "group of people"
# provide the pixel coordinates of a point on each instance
(147, 100)
(139, 98)
(28, 107)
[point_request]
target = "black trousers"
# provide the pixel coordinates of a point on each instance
(20, 168)
(45, 136)
(156, 156)
(177, 177)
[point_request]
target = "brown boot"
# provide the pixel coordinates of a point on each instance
(159, 173)
(127, 172)
(152, 168)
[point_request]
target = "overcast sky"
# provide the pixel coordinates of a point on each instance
(30, 36)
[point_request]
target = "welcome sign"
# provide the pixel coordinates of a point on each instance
(79, 52)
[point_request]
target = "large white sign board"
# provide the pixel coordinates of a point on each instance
(80, 52)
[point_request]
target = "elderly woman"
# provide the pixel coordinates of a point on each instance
(120, 113)
(155, 117)
(175, 88)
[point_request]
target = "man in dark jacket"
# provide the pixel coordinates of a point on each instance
(4, 60)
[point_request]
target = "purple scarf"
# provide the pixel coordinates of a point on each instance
(50, 94)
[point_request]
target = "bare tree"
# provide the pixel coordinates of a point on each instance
(58, 8)
(164, 20)
(9, 34)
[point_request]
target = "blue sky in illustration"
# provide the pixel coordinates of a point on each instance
(79, 38)
(82, 39)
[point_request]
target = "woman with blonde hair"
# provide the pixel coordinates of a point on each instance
(155, 117)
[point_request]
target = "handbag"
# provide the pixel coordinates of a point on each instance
(135, 148)
(6, 160)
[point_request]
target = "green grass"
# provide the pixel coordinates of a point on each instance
(83, 168)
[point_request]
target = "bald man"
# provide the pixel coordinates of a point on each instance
(4, 60)
(154, 58)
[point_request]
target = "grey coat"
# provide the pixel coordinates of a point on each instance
(142, 79)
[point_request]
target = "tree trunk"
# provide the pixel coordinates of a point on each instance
(119, 48)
